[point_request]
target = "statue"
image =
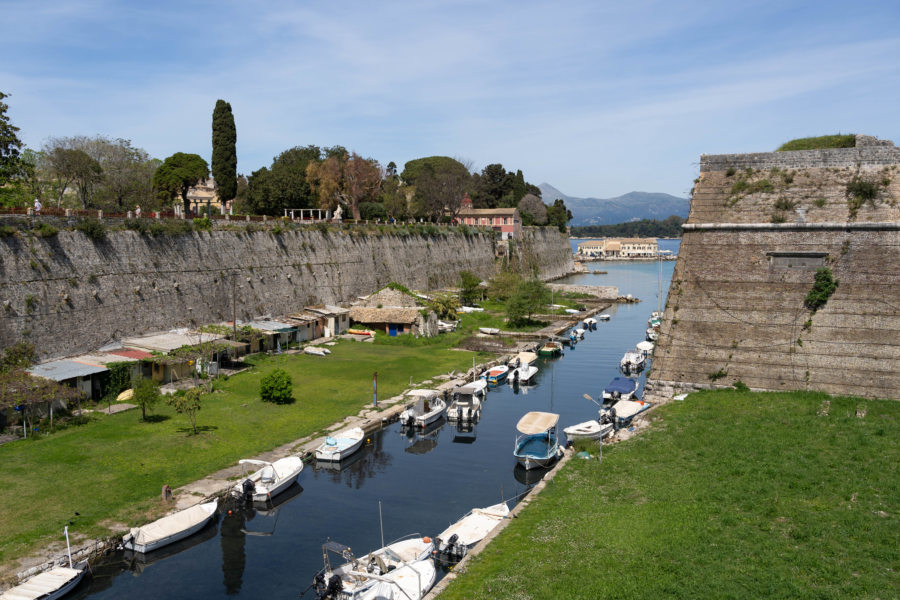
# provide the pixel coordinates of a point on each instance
(337, 213)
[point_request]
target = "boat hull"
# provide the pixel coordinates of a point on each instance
(130, 544)
(45, 581)
(341, 450)
(536, 450)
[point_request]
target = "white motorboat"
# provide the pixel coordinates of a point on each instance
(270, 480)
(169, 529)
(470, 309)
(447, 326)
(624, 410)
(401, 570)
(572, 311)
(427, 407)
(489, 330)
(645, 347)
(633, 361)
(620, 388)
(603, 317)
(466, 406)
(521, 359)
(538, 444)
(589, 430)
(580, 333)
(652, 335)
(590, 322)
(454, 542)
(480, 386)
(523, 374)
(51, 584)
(340, 445)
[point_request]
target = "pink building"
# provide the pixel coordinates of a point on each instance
(504, 220)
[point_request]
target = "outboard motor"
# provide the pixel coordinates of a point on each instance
(335, 587)
(247, 490)
(615, 421)
(516, 377)
(451, 550)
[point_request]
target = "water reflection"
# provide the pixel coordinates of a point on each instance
(361, 466)
(233, 555)
(423, 442)
(529, 477)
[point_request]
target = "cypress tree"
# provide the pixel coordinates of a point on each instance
(224, 152)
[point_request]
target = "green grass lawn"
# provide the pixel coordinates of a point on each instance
(111, 469)
(729, 495)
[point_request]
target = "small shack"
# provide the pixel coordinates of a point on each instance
(79, 375)
(396, 313)
(336, 320)
(279, 334)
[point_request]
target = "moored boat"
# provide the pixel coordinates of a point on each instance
(620, 388)
(466, 406)
(603, 317)
(169, 529)
(589, 430)
(269, 480)
(427, 407)
(454, 542)
(496, 375)
(632, 361)
(623, 411)
(51, 584)
(489, 330)
(523, 374)
(341, 445)
(579, 332)
(538, 444)
(550, 349)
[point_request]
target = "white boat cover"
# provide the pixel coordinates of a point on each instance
(424, 394)
(314, 350)
(526, 358)
(629, 408)
(42, 585)
(173, 524)
(645, 346)
(589, 429)
(473, 527)
(537, 422)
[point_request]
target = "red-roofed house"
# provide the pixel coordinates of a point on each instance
(504, 220)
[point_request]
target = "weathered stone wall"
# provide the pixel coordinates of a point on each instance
(67, 294)
(735, 309)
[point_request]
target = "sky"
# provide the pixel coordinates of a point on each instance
(597, 98)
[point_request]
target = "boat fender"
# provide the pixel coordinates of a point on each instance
(426, 539)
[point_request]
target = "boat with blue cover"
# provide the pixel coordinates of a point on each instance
(341, 445)
(538, 443)
(620, 388)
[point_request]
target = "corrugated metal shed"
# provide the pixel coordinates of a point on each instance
(166, 342)
(61, 370)
(271, 326)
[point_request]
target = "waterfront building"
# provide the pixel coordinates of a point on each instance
(505, 220)
(620, 248)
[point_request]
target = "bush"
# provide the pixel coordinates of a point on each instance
(822, 289)
(146, 395)
(45, 230)
(7, 231)
(202, 224)
(277, 387)
(93, 229)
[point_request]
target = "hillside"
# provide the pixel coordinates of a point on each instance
(628, 207)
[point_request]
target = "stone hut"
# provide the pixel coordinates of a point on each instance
(760, 228)
(395, 312)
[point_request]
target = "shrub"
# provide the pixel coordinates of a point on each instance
(276, 387)
(7, 231)
(92, 228)
(202, 224)
(45, 230)
(730, 172)
(820, 142)
(859, 191)
(822, 289)
(784, 204)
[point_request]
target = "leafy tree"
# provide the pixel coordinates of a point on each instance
(531, 296)
(282, 185)
(504, 285)
(393, 198)
(73, 165)
(224, 152)
(10, 144)
(179, 173)
(492, 186)
(445, 306)
(277, 387)
(559, 215)
(518, 187)
(20, 388)
(468, 286)
(668, 227)
(532, 210)
(413, 169)
(20, 355)
(440, 189)
(346, 180)
(146, 395)
(188, 403)
(372, 211)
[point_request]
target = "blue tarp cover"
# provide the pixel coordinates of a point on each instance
(623, 385)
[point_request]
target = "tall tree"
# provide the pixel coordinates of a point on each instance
(347, 180)
(10, 144)
(224, 151)
(72, 165)
(284, 184)
(559, 215)
(178, 174)
(440, 190)
(533, 211)
(518, 187)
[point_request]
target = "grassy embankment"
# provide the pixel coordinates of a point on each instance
(111, 469)
(728, 495)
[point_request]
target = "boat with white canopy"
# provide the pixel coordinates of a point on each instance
(538, 444)
(466, 406)
(170, 529)
(427, 407)
(271, 479)
(341, 445)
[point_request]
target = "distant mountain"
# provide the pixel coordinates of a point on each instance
(632, 206)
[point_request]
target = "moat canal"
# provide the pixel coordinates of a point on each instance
(424, 483)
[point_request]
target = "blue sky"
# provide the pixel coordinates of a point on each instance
(596, 98)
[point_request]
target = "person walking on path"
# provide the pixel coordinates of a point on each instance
(37, 206)
(137, 212)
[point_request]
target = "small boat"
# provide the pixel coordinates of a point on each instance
(538, 444)
(496, 375)
(364, 332)
(652, 335)
(470, 309)
(169, 529)
(447, 326)
(579, 332)
(523, 374)
(590, 322)
(589, 430)
(316, 351)
(489, 330)
(623, 411)
(341, 445)
(268, 481)
(573, 338)
(550, 349)
(572, 311)
(522, 358)
(427, 407)
(633, 361)
(656, 315)
(620, 388)
(51, 584)
(454, 542)
(603, 317)
(403, 569)
(654, 323)
(466, 406)
(645, 347)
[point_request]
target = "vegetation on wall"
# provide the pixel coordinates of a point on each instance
(822, 289)
(820, 142)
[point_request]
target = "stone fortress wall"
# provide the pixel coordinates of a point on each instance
(67, 294)
(752, 244)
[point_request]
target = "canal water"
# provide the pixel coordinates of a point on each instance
(423, 482)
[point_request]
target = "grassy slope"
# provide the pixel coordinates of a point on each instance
(730, 495)
(112, 469)
(820, 142)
